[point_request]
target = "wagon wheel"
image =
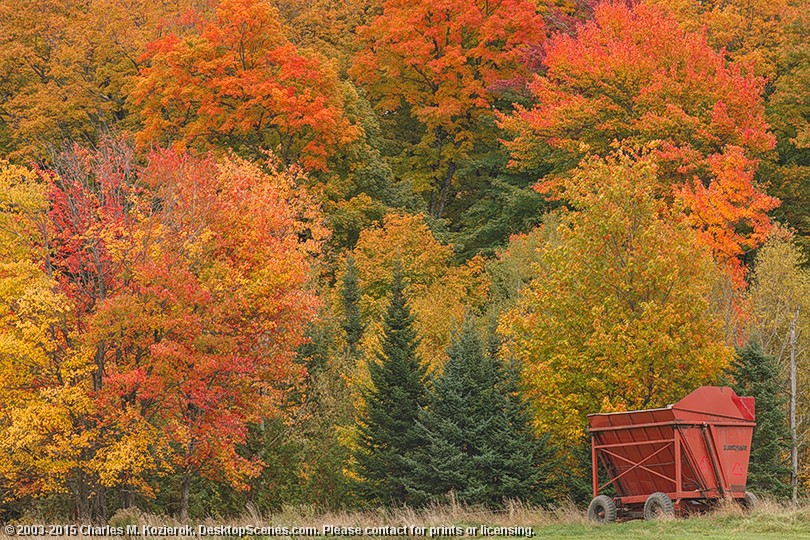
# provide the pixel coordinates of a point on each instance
(658, 505)
(602, 509)
(749, 501)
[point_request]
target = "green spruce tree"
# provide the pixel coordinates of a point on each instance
(387, 428)
(756, 374)
(479, 443)
(350, 299)
(528, 461)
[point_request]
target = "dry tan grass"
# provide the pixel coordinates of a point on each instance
(513, 514)
(765, 506)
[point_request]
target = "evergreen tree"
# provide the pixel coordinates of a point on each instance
(756, 374)
(479, 442)
(350, 298)
(528, 461)
(387, 429)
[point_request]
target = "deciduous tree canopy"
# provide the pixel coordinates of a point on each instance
(204, 205)
(234, 80)
(633, 75)
(618, 314)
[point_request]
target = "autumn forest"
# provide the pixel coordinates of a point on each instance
(363, 253)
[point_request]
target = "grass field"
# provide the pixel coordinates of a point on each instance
(768, 521)
(777, 527)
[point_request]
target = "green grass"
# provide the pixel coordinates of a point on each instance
(768, 521)
(758, 527)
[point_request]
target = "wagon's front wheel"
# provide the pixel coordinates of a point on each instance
(658, 505)
(749, 501)
(602, 509)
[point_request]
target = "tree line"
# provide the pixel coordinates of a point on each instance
(379, 252)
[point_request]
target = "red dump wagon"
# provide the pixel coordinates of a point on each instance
(672, 460)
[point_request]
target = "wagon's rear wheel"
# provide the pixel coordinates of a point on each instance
(658, 505)
(602, 509)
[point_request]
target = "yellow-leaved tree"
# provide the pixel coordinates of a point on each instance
(438, 291)
(780, 301)
(619, 314)
(42, 378)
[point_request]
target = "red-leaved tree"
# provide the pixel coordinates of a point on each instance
(203, 338)
(633, 75)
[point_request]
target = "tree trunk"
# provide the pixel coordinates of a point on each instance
(438, 200)
(99, 504)
(794, 443)
(126, 497)
(184, 492)
(81, 498)
(98, 374)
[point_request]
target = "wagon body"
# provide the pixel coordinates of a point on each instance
(694, 451)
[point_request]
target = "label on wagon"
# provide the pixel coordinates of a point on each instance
(736, 447)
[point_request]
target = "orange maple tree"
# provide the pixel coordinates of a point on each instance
(235, 81)
(202, 340)
(88, 195)
(445, 62)
(633, 75)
